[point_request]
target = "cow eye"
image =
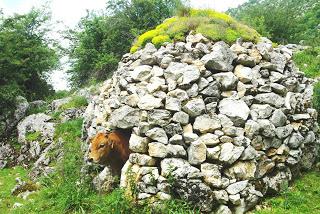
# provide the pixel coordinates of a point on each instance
(101, 146)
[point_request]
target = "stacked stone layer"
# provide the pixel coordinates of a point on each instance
(219, 126)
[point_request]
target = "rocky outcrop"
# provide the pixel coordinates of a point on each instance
(219, 126)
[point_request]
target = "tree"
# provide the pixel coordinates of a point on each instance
(26, 57)
(282, 20)
(101, 39)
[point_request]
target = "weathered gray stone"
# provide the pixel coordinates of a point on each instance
(197, 153)
(243, 73)
(194, 107)
(242, 170)
(205, 123)
(157, 134)
(138, 144)
(141, 73)
(295, 140)
(227, 80)
(260, 111)
(237, 187)
(278, 118)
(267, 129)
(125, 117)
(271, 99)
(209, 139)
(220, 58)
(181, 117)
(149, 102)
(236, 110)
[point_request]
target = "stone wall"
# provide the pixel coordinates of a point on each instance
(216, 125)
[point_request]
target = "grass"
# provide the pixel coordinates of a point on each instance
(33, 136)
(308, 61)
(213, 25)
(302, 197)
(63, 192)
(7, 182)
(75, 102)
(36, 110)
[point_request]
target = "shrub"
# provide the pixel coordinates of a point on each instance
(213, 25)
(308, 61)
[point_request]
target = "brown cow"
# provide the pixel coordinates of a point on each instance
(111, 149)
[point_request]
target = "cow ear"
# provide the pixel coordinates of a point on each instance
(111, 143)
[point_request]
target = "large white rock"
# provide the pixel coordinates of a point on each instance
(237, 187)
(271, 99)
(197, 153)
(227, 80)
(125, 117)
(220, 59)
(138, 144)
(141, 73)
(243, 73)
(149, 102)
(194, 107)
(205, 123)
(236, 110)
(157, 134)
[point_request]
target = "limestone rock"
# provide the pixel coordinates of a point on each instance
(220, 58)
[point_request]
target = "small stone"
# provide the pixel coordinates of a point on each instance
(237, 187)
(283, 132)
(235, 199)
(227, 80)
(243, 73)
(194, 107)
(220, 58)
(221, 196)
(181, 117)
(278, 118)
(158, 150)
(242, 170)
(157, 134)
(271, 99)
(205, 123)
(141, 73)
(209, 139)
(295, 140)
(149, 102)
(213, 153)
(138, 144)
(260, 111)
(141, 159)
(197, 153)
(236, 110)
(223, 209)
(267, 129)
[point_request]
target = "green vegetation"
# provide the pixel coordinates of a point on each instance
(270, 18)
(302, 197)
(67, 191)
(7, 182)
(102, 39)
(309, 61)
(26, 57)
(33, 136)
(75, 102)
(36, 110)
(213, 25)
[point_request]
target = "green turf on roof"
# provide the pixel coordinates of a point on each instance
(213, 25)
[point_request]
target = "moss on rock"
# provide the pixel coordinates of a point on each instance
(213, 25)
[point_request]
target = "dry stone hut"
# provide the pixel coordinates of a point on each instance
(220, 126)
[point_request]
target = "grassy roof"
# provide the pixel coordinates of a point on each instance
(213, 25)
